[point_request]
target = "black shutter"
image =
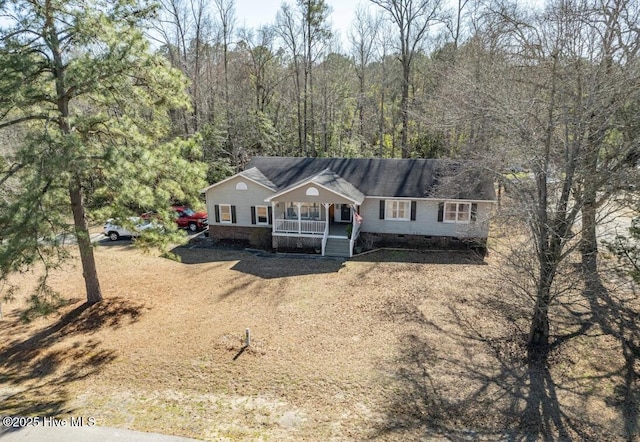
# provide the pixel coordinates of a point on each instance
(270, 210)
(253, 214)
(413, 210)
(382, 203)
(440, 212)
(233, 214)
(474, 212)
(216, 209)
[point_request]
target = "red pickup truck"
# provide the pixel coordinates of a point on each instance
(188, 219)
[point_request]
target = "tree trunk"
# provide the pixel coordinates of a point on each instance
(405, 110)
(361, 77)
(539, 331)
(94, 294)
(589, 245)
(89, 272)
(305, 128)
(311, 116)
(382, 98)
(301, 141)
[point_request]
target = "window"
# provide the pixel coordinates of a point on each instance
(459, 213)
(292, 211)
(262, 215)
(241, 186)
(309, 211)
(312, 191)
(398, 210)
(225, 213)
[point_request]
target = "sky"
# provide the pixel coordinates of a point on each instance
(254, 13)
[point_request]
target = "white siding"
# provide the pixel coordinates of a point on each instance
(426, 222)
(226, 193)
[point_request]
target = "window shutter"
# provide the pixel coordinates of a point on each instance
(253, 214)
(382, 203)
(233, 214)
(440, 212)
(474, 211)
(413, 210)
(270, 210)
(216, 209)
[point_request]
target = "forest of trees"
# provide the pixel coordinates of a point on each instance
(293, 88)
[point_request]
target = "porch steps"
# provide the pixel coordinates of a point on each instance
(337, 247)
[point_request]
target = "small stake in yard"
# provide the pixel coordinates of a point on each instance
(247, 341)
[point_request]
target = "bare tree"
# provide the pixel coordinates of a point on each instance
(260, 45)
(314, 32)
(226, 15)
(183, 29)
(290, 31)
(363, 37)
(414, 19)
(606, 61)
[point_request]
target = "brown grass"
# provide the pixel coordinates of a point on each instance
(391, 346)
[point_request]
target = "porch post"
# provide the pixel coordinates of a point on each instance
(273, 217)
(326, 217)
(299, 218)
(354, 210)
(354, 232)
(326, 226)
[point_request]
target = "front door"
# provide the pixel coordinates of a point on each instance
(345, 212)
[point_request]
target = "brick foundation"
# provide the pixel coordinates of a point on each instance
(284, 243)
(258, 237)
(375, 240)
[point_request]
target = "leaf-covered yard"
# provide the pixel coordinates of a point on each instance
(388, 346)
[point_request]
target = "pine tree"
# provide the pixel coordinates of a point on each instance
(80, 84)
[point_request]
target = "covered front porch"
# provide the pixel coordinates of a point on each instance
(335, 226)
(316, 209)
(334, 219)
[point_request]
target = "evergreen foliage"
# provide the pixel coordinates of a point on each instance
(92, 103)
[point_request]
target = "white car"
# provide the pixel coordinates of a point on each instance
(114, 232)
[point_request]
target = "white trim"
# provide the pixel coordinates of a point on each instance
(298, 235)
(428, 199)
(220, 206)
(457, 212)
(294, 187)
(206, 189)
(298, 210)
(273, 215)
(310, 206)
(388, 211)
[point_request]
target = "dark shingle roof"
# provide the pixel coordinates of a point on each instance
(332, 181)
(380, 177)
(254, 174)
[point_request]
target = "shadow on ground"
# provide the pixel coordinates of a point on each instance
(122, 242)
(261, 264)
(458, 379)
(35, 371)
(616, 314)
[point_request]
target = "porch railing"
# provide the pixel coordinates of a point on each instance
(354, 236)
(303, 226)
